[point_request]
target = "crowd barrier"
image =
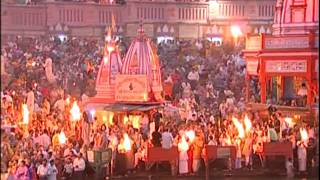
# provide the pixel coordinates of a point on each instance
(158, 154)
(212, 153)
(278, 149)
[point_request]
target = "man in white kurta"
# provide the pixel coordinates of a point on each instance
(183, 148)
(30, 101)
(48, 69)
(302, 156)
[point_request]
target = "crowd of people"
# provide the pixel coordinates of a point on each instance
(49, 75)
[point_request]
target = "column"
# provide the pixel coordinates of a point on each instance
(247, 87)
(262, 80)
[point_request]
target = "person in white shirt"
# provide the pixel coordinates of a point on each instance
(167, 139)
(194, 77)
(45, 140)
(79, 166)
(48, 69)
(303, 90)
(52, 171)
(30, 101)
(60, 104)
(42, 170)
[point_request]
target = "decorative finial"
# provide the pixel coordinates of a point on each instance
(140, 30)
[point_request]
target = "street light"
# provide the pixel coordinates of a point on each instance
(236, 32)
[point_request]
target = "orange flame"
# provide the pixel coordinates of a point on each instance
(289, 121)
(191, 135)
(62, 138)
(239, 127)
(75, 112)
(68, 100)
(136, 122)
(126, 144)
(125, 120)
(304, 134)
(25, 114)
(247, 123)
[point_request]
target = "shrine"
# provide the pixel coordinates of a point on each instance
(287, 60)
(110, 67)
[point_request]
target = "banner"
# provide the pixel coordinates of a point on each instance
(131, 88)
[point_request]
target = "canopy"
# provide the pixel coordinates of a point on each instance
(118, 107)
(132, 107)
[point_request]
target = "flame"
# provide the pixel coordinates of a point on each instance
(62, 138)
(247, 123)
(111, 118)
(183, 145)
(68, 100)
(25, 114)
(190, 134)
(126, 143)
(289, 121)
(136, 122)
(75, 112)
(304, 134)
(125, 120)
(239, 127)
(110, 49)
(104, 119)
(228, 140)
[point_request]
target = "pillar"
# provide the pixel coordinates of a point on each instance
(310, 94)
(262, 80)
(247, 87)
(309, 81)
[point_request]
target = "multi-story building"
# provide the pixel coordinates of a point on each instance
(161, 18)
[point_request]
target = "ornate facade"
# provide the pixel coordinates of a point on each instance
(287, 58)
(178, 19)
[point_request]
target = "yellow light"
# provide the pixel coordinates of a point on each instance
(289, 121)
(68, 100)
(304, 134)
(126, 143)
(239, 127)
(75, 112)
(62, 138)
(136, 122)
(111, 118)
(236, 31)
(104, 119)
(247, 123)
(110, 48)
(25, 114)
(125, 120)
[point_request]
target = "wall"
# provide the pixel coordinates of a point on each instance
(168, 18)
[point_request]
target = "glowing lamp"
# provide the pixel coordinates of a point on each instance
(62, 138)
(236, 31)
(75, 112)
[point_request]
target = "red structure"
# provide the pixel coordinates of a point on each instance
(141, 63)
(288, 57)
(110, 67)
